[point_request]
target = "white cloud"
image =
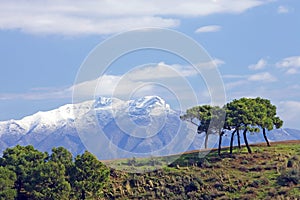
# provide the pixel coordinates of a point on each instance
(282, 9)
(289, 112)
(210, 64)
(293, 61)
(261, 64)
(234, 76)
(121, 85)
(162, 80)
(218, 62)
(292, 71)
(39, 94)
(264, 76)
(247, 79)
(79, 17)
(211, 28)
(235, 84)
(162, 70)
(291, 64)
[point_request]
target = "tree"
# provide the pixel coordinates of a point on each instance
(7, 181)
(22, 160)
(47, 181)
(241, 115)
(210, 119)
(88, 177)
(63, 156)
(249, 114)
(217, 124)
(267, 118)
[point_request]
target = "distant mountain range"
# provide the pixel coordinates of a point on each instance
(127, 124)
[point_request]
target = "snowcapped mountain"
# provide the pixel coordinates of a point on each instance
(57, 127)
(127, 124)
(45, 130)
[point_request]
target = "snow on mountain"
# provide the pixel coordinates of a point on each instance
(56, 127)
(41, 121)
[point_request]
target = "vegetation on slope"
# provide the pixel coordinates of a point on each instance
(268, 173)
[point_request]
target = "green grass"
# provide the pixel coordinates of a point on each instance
(237, 176)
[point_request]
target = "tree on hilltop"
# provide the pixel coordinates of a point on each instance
(244, 114)
(209, 120)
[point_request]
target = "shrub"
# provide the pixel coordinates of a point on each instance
(288, 177)
(193, 186)
(293, 162)
(219, 186)
(132, 161)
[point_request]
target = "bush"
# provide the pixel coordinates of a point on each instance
(132, 161)
(288, 177)
(293, 162)
(193, 186)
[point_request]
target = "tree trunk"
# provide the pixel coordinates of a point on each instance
(231, 141)
(19, 188)
(246, 141)
(206, 141)
(265, 136)
(220, 143)
(82, 194)
(239, 138)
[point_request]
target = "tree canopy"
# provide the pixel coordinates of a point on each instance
(7, 183)
(26, 173)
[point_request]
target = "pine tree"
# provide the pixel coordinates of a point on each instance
(7, 182)
(88, 177)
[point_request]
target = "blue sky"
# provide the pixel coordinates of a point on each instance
(256, 45)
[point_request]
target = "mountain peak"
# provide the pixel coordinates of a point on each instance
(148, 102)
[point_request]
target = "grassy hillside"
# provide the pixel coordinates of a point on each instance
(268, 173)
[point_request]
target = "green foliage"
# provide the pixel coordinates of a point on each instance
(7, 181)
(212, 178)
(47, 181)
(211, 118)
(22, 160)
(26, 173)
(248, 113)
(88, 177)
(63, 156)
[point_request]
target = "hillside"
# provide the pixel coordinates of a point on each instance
(269, 173)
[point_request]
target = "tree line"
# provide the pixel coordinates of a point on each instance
(26, 173)
(238, 116)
